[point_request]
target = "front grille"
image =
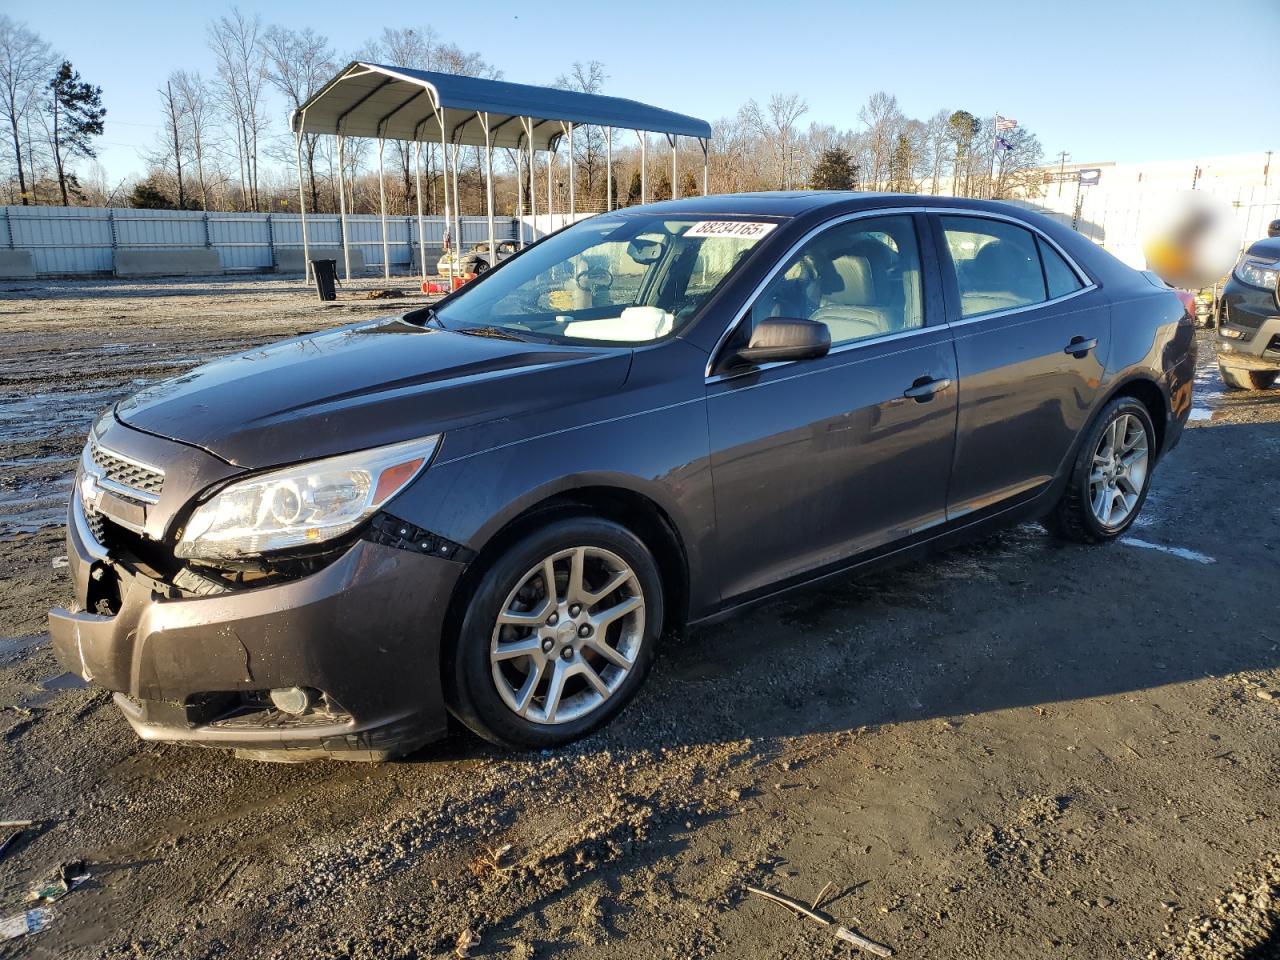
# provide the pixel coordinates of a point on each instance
(1240, 318)
(126, 473)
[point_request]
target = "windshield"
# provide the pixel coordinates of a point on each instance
(613, 278)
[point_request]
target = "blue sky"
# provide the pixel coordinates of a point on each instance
(1104, 80)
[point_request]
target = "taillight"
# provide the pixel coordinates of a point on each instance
(1188, 302)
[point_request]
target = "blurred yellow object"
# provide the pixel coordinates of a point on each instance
(1192, 242)
(560, 300)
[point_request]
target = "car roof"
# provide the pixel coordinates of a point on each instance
(795, 203)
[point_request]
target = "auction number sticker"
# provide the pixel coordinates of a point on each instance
(738, 229)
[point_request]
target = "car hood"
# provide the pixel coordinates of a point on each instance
(1268, 249)
(363, 386)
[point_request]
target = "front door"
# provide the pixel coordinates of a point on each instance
(1031, 340)
(816, 460)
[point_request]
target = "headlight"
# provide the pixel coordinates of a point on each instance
(1258, 273)
(302, 505)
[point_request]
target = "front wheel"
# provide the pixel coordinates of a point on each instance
(1247, 379)
(1110, 476)
(558, 636)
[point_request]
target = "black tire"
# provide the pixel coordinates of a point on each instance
(1239, 379)
(1073, 518)
(470, 688)
(480, 267)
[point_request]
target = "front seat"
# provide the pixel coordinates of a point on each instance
(851, 306)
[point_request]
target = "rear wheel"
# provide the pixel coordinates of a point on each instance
(1110, 476)
(558, 636)
(481, 266)
(1247, 379)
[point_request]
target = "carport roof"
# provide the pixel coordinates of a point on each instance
(399, 103)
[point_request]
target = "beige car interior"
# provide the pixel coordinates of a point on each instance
(859, 285)
(1002, 276)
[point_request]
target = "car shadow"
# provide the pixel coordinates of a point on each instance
(1012, 620)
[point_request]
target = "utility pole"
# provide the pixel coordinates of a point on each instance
(1266, 171)
(1063, 157)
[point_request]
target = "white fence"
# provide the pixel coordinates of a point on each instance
(1115, 218)
(83, 240)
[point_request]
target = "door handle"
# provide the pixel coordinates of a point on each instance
(924, 389)
(1079, 346)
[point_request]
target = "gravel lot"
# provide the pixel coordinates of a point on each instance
(1017, 749)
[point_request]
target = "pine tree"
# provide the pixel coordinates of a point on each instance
(633, 192)
(835, 170)
(78, 114)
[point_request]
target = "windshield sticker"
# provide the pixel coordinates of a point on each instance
(739, 229)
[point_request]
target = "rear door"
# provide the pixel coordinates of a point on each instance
(1031, 337)
(816, 460)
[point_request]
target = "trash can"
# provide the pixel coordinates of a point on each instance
(326, 274)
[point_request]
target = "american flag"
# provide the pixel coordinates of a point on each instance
(1004, 123)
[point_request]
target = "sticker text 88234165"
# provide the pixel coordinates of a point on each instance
(737, 229)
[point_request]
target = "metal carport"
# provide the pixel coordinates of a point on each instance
(398, 103)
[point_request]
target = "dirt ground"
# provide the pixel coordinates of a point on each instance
(1020, 749)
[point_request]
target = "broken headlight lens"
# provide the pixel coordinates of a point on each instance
(301, 505)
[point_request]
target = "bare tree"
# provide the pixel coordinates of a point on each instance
(26, 64)
(172, 138)
(298, 63)
(588, 142)
(242, 70)
(1015, 170)
(777, 126)
(937, 133)
(882, 118)
(192, 102)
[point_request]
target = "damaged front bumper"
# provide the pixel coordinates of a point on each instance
(1248, 335)
(363, 633)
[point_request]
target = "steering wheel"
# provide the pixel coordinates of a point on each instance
(592, 278)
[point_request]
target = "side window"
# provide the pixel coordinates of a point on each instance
(861, 278)
(1059, 277)
(997, 265)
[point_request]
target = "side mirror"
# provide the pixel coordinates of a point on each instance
(783, 338)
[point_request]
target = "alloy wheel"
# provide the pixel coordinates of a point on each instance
(567, 635)
(1119, 471)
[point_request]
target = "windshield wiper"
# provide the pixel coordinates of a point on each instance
(497, 333)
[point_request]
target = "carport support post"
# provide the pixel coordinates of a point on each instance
(644, 166)
(342, 211)
(488, 187)
(533, 184)
(706, 164)
(608, 168)
(457, 204)
(519, 158)
(422, 226)
(302, 211)
(382, 208)
(675, 189)
(572, 204)
(444, 178)
(551, 179)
